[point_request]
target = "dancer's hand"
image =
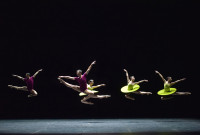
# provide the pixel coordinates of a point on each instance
(183, 79)
(103, 84)
(125, 70)
(40, 70)
(94, 62)
(156, 71)
(145, 80)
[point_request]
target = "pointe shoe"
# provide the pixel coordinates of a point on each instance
(149, 93)
(107, 96)
(10, 86)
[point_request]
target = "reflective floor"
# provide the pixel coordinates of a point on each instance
(102, 126)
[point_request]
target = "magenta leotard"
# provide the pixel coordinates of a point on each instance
(82, 82)
(29, 83)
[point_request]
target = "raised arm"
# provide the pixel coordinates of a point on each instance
(67, 77)
(160, 76)
(127, 76)
(21, 78)
(89, 68)
(97, 86)
(37, 73)
(141, 81)
(172, 83)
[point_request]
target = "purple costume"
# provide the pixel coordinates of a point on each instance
(29, 83)
(82, 82)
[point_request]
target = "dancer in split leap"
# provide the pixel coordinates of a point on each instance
(29, 80)
(82, 81)
(133, 87)
(167, 92)
(90, 86)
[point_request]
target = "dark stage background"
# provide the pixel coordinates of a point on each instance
(62, 36)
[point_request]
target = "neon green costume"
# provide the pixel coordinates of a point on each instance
(130, 88)
(89, 88)
(167, 90)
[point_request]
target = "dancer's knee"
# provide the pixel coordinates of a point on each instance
(34, 93)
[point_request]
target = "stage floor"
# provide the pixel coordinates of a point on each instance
(102, 126)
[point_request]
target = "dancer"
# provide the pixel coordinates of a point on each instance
(168, 91)
(29, 80)
(81, 79)
(91, 87)
(133, 87)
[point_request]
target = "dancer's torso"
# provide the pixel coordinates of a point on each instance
(167, 86)
(29, 82)
(130, 85)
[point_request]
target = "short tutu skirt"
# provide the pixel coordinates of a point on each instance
(125, 89)
(163, 92)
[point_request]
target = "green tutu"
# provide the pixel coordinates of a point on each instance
(125, 88)
(83, 94)
(163, 92)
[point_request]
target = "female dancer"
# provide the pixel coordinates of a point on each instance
(91, 87)
(167, 88)
(29, 80)
(81, 79)
(132, 87)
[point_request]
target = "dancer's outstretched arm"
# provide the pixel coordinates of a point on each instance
(67, 77)
(97, 86)
(21, 78)
(90, 67)
(37, 73)
(177, 81)
(141, 81)
(161, 76)
(127, 76)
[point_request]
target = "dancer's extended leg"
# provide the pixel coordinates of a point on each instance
(129, 97)
(142, 92)
(182, 93)
(23, 88)
(92, 95)
(74, 87)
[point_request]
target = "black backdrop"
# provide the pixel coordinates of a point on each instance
(62, 36)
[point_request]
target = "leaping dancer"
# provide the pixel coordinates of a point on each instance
(133, 87)
(81, 79)
(91, 87)
(168, 91)
(29, 80)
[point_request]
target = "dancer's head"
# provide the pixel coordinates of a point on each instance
(169, 79)
(132, 78)
(91, 82)
(28, 75)
(79, 72)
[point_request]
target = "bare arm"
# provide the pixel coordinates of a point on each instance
(90, 67)
(37, 73)
(177, 81)
(127, 76)
(97, 86)
(67, 77)
(161, 76)
(141, 81)
(21, 78)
